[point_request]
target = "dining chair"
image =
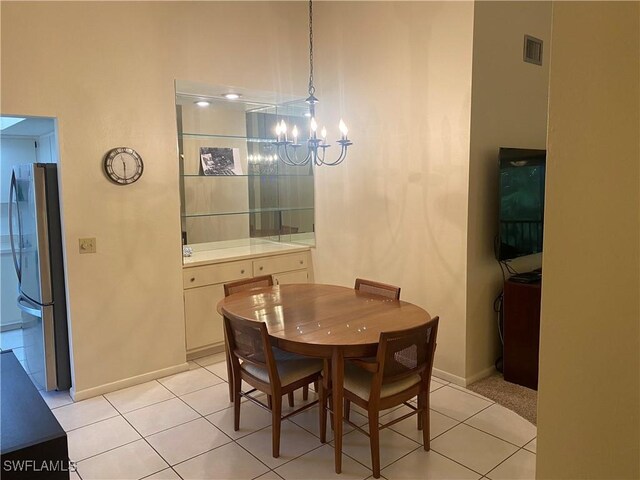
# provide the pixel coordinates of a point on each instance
(240, 286)
(400, 371)
(266, 369)
(377, 288)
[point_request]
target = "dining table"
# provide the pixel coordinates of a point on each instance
(324, 321)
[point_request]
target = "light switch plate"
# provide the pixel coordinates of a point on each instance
(87, 245)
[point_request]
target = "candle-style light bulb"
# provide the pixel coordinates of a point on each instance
(278, 130)
(314, 125)
(343, 129)
(294, 132)
(283, 128)
(323, 132)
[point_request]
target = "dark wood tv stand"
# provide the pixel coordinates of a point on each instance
(521, 320)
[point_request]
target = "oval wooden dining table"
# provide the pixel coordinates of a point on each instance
(324, 321)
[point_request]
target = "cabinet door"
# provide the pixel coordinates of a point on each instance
(203, 323)
(299, 276)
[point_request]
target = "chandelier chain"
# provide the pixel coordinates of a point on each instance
(312, 88)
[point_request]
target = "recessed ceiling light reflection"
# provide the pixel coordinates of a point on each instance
(202, 103)
(232, 96)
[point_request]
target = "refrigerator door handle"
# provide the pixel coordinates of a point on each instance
(42, 228)
(26, 306)
(13, 194)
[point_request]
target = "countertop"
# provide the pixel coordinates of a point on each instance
(229, 251)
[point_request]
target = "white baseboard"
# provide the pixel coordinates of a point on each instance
(78, 395)
(449, 377)
(461, 381)
(480, 375)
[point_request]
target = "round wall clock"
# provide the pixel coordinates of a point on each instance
(123, 165)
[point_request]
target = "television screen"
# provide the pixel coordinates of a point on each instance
(521, 196)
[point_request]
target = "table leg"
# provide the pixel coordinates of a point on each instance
(337, 380)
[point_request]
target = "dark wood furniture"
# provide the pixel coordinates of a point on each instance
(401, 371)
(255, 361)
(377, 288)
(30, 435)
(324, 321)
(521, 332)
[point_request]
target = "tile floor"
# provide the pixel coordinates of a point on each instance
(182, 427)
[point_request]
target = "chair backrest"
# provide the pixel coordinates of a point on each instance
(240, 285)
(406, 352)
(249, 341)
(377, 288)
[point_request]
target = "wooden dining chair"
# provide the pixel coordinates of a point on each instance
(378, 288)
(240, 286)
(266, 369)
(401, 371)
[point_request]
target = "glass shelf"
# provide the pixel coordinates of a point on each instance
(249, 212)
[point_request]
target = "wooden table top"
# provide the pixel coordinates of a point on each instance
(324, 316)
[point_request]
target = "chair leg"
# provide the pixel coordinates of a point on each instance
(290, 397)
(269, 402)
(374, 440)
(420, 400)
(276, 418)
(322, 401)
(305, 392)
(347, 408)
(229, 373)
(236, 407)
(426, 422)
(315, 386)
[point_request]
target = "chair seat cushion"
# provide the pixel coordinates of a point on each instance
(291, 367)
(358, 381)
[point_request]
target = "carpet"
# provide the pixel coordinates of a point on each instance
(517, 398)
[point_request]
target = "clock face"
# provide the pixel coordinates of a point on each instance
(123, 165)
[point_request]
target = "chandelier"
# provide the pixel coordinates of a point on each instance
(287, 150)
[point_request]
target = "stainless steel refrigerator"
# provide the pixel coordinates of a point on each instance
(36, 244)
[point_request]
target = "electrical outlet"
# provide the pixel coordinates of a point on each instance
(87, 245)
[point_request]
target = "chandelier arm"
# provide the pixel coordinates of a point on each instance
(340, 159)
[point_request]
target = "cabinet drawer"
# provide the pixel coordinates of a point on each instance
(281, 263)
(219, 273)
(298, 276)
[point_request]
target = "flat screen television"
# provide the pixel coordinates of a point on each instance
(521, 197)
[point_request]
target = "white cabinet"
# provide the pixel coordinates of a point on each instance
(203, 289)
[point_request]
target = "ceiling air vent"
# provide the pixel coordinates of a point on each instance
(532, 50)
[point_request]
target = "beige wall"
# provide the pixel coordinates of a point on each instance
(396, 210)
(107, 71)
(589, 402)
(508, 109)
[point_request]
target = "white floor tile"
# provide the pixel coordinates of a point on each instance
(160, 416)
(520, 466)
(297, 400)
(219, 369)
(428, 466)
(476, 450)
(19, 353)
(456, 404)
(138, 396)
(439, 380)
(185, 441)
(11, 339)
(190, 381)
(166, 474)
(132, 461)
(83, 413)
(433, 386)
(252, 418)
(212, 359)
(310, 421)
(269, 476)
(319, 465)
(294, 441)
(229, 462)
(470, 392)
(532, 446)
(209, 400)
(409, 426)
(74, 476)
(505, 424)
(392, 447)
(56, 399)
(99, 437)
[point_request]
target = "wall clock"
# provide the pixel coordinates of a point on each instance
(123, 165)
